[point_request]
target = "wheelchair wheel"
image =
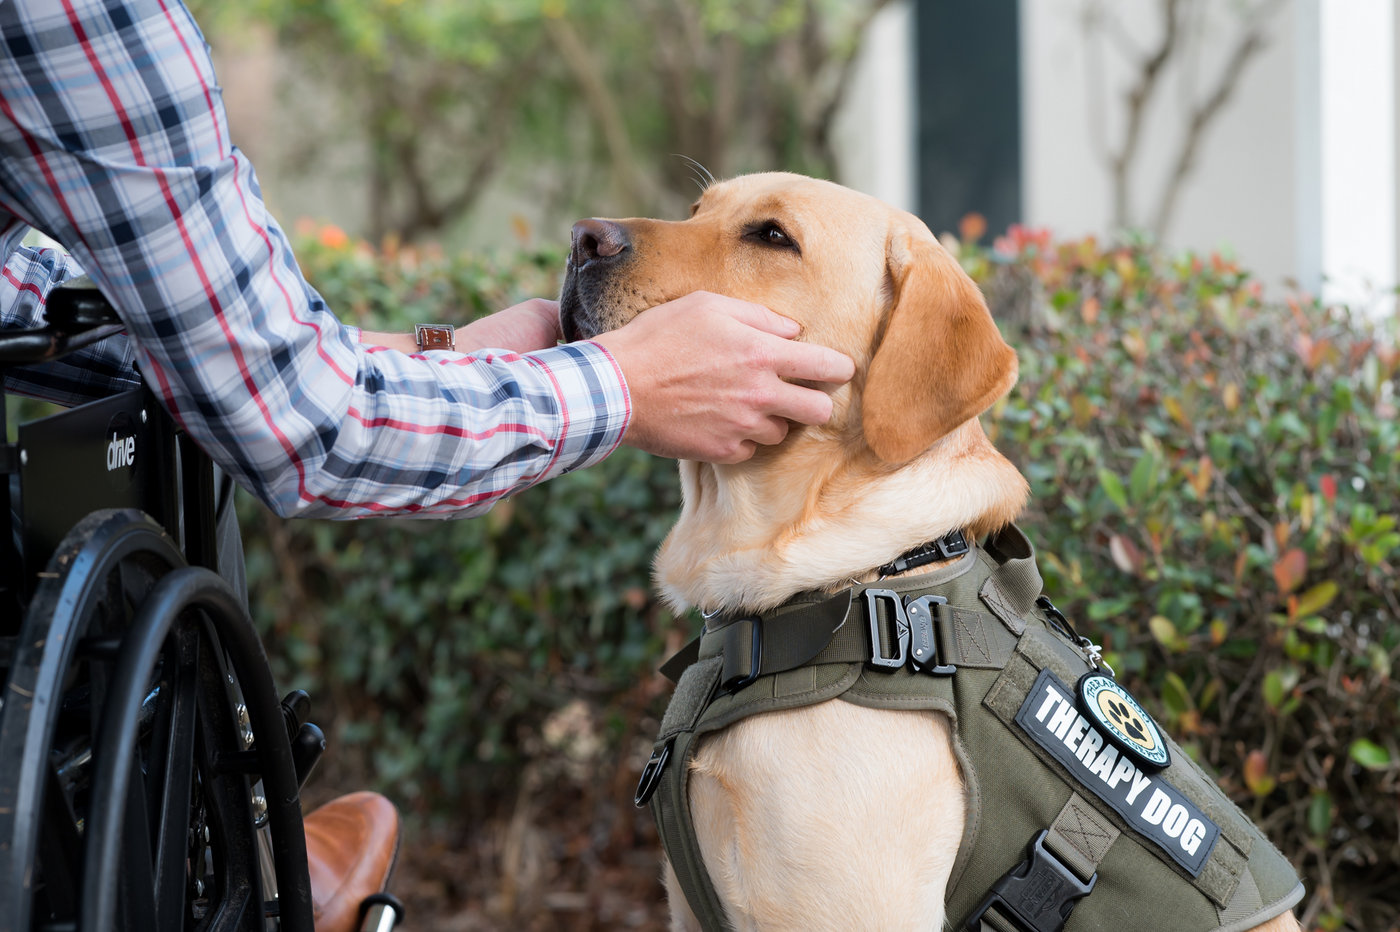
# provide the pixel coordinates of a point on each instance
(127, 764)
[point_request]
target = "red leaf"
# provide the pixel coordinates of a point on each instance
(1290, 570)
(972, 227)
(1328, 484)
(1256, 774)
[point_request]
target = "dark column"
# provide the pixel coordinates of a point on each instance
(968, 69)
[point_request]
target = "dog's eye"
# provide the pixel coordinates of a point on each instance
(770, 234)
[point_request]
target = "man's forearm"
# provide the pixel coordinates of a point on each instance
(403, 342)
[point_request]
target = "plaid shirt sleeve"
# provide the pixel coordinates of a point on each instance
(27, 276)
(113, 141)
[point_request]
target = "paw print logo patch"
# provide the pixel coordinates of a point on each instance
(1125, 723)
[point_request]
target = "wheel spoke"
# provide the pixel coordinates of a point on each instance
(172, 769)
(137, 898)
(60, 851)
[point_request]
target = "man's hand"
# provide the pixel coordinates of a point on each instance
(711, 378)
(525, 327)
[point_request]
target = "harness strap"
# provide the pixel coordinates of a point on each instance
(1015, 583)
(1061, 867)
(909, 624)
(669, 804)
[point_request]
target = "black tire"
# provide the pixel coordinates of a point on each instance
(125, 773)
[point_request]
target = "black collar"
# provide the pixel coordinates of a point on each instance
(950, 545)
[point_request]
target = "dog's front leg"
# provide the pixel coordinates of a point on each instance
(831, 817)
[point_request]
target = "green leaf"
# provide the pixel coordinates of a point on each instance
(1143, 480)
(1317, 598)
(1164, 631)
(1278, 684)
(1320, 814)
(1113, 488)
(1175, 695)
(1369, 754)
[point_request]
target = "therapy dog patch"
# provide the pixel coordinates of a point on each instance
(1153, 807)
(1118, 717)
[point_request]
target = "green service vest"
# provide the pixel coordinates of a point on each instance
(1170, 839)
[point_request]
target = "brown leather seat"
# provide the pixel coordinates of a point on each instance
(351, 843)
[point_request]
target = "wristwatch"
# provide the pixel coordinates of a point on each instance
(435, 337)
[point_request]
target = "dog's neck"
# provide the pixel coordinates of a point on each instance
(751, 536)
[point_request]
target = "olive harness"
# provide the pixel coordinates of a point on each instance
(1090, 796)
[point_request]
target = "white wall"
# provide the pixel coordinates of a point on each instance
(1356, 238)
(1242, 196)
(875, 131)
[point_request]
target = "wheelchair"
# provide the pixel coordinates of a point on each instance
(150, 778)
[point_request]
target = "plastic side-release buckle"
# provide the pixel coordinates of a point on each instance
(925, 643)
(651, 774)
(1036, 895)
(878, 658)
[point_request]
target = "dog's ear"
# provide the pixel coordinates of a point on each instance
(941, 359)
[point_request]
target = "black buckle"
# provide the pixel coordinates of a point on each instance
(651, 774)
(901, 628)
(925, 643)
(952, 544)
(1036, 895)
(743, 656)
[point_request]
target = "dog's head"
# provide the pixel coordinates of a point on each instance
(858, 275)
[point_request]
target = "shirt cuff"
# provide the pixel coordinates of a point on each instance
(595, 406)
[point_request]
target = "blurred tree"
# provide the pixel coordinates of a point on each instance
(582, 96)
(1185, 29)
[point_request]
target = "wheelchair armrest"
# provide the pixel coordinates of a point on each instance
(78, 305)
(78, 315)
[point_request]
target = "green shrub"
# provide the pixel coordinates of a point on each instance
(1214, 496)
(1215, 491)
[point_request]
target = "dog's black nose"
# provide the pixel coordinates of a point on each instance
(597, 239)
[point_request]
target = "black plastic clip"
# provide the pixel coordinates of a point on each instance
(925, 645)
(952, 544)
(743, 654)
(901, 628)
(651, 774)
(1036, 895)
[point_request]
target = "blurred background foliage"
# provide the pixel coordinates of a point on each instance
(1214, 475)
(1214, 493)
(587, 103)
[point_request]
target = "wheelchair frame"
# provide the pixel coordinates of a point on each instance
(142, 745)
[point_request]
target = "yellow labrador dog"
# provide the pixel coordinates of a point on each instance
(902, 461)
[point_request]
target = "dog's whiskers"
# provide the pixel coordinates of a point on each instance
(699, 173)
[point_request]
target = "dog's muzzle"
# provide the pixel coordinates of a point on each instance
(597, 249)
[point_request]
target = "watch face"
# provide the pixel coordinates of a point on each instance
(1122, 720)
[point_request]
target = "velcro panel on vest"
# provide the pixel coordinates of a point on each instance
(1242, 869)
(1023, 792)
(691, 698)
(1221, 871)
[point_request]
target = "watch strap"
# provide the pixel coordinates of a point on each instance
(435, 337)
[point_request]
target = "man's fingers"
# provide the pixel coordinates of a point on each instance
(808, 362)
(802, 405)
(773, 430)
(760, 317)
